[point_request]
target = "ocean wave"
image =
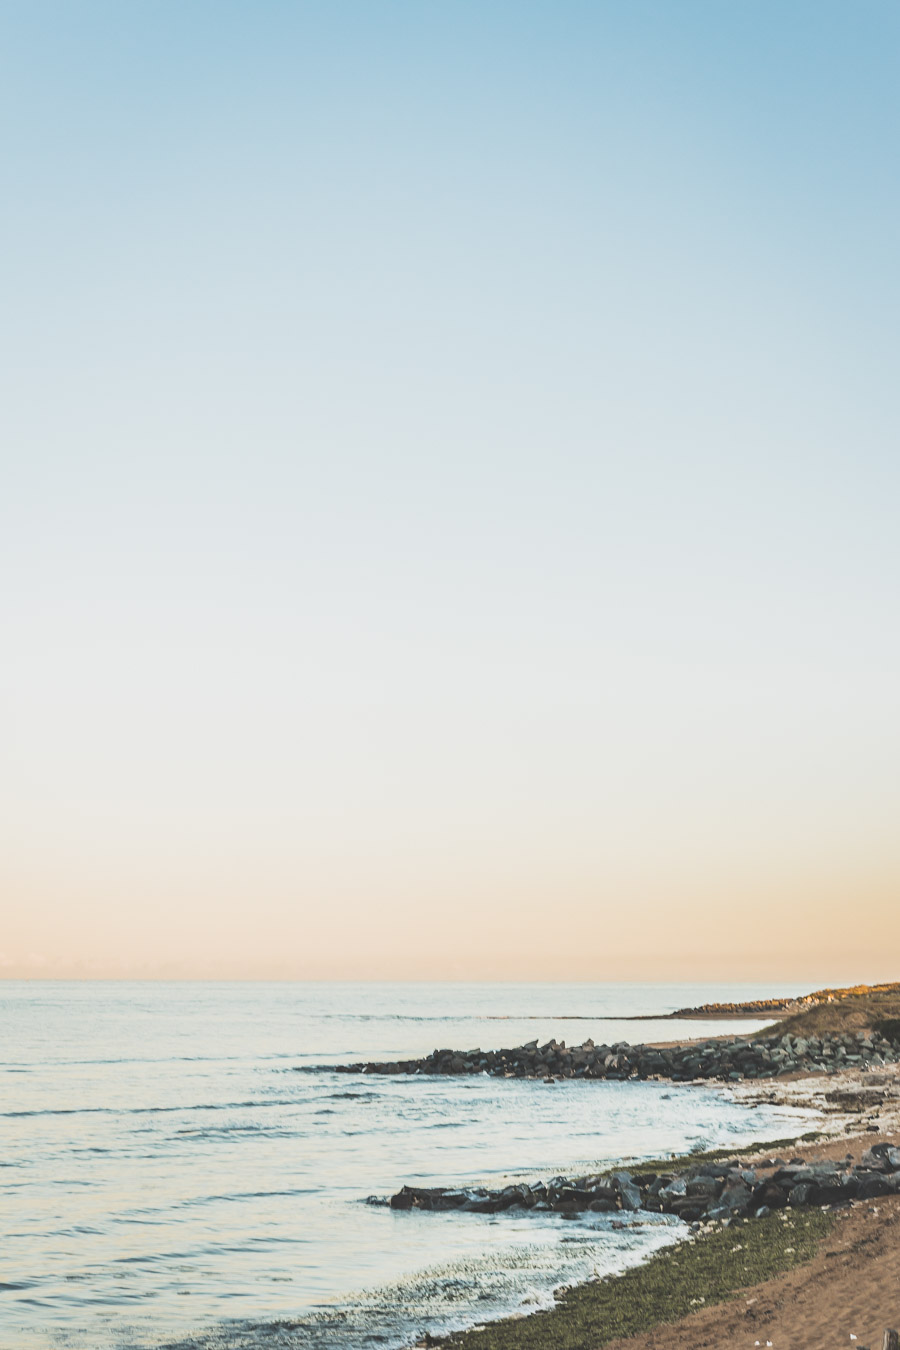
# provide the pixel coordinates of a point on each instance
(509, 1277)
(253, 1103)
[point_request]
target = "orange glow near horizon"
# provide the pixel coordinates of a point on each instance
(711, 832)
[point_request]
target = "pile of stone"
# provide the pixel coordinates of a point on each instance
(707, 1192)
(755, 1007)
(723, 1060)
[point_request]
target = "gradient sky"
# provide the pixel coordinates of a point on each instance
(449, 507)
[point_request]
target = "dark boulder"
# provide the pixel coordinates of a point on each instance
(874, 1185)
(770, 1194)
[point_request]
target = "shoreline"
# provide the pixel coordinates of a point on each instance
(788, 1290)
(765, 1055)
(835, 1053)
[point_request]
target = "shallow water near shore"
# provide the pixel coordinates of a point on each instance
(167, 1177)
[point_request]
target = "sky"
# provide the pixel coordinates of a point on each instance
(449, 489)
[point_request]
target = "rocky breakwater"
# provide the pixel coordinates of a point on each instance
(723, 1060)
(756, 1007)
(705, 1193)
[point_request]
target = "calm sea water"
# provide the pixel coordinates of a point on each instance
(168, 1178)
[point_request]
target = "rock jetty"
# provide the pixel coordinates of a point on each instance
(719, 1060)
(757, 1007)
(709, 1192)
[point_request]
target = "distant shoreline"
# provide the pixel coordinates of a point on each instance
(863, 995)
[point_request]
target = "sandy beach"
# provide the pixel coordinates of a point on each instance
(851, 1289)
(846, 1294)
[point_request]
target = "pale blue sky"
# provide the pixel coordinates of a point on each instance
(449, 476)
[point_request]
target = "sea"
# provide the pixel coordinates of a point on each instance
(179, 1167)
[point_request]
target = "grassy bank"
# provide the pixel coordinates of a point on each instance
(708, 1269)
(863, 1008)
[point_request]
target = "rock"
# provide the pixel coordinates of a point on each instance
(675, 1190)
(565, 1207)
(735, 1197)
(884, 1157)
(721, 1192)
(608, 1195)
(628, 1192)
(575, 1195)
(422, 1197)
(770, 1194)
(687, 1209)
(874, 1185)
(723, 1061)
(703, 1187)
(828, 1195)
